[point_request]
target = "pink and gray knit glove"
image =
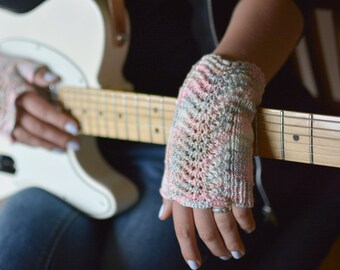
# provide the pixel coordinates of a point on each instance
(15, 78)
(209, 154)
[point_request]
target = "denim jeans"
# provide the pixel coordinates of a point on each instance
(39, 231)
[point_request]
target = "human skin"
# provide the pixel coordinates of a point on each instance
(258, 32)
(41, 124)
(263, 32)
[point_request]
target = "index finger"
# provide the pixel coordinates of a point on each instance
(185, 232)
(35, 105)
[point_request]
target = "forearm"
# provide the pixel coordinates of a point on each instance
(263, 32)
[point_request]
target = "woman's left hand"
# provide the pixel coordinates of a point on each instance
(219, 231)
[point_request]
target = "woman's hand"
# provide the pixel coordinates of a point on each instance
(208, 163)
(37, 122)
(219, 231)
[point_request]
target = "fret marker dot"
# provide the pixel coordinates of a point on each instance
(100, 113)
(120, 115)
(155, 110)
(156, 130)
(84, 111)
(296, 137)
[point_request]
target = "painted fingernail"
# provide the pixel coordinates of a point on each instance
(71, 128)
(161, 210)
(236, 254)
(225, 258)
(73, 145)
(193, 264)
(49, 76)
(57, 150)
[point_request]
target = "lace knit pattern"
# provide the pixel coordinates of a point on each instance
(209, 154)
(11, 86)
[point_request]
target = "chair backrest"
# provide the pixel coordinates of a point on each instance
(318, 54)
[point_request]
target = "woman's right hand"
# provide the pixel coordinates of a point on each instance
(39, 123)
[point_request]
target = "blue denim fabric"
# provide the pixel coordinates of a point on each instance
(36, 228)
(38, 231)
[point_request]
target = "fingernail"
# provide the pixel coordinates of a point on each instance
(71, 128)
(249, 231)
(73, 145)
(225, 258)
(193, 264)
(161, 210)
(236, 254)
(57, 150)
(49, 76)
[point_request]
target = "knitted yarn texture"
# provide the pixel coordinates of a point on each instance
(210, 149)
(12, 85)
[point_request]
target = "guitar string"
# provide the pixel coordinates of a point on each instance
(108, 122)
(286, 125)
(316, 146)
(280, 141)
(146, 127)
(132, 96)
(300, 126)
(278, 154)
(97, 113)
(116, 109)
(125, 96)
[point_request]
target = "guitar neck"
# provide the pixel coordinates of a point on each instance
(120, 115)
(283, 135)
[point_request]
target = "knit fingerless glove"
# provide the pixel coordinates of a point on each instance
(15, 76)
(209, 154)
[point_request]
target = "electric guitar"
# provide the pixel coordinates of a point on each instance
(62, 38)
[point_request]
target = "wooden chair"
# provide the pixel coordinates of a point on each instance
(318, 61)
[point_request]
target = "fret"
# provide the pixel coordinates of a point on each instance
(131, 117)
(137, 118)
(282, 135)
(94, 114)
(149, 116)
(169, 111)
(90, 115)
(157, 125)
(121, 121)
(311, 138)
(83, 110)
(297, 136)
(144, 118)
(99, 115)
(125, 116)
(279, 134)
(107, 97)
(106, 113)
(115, 114)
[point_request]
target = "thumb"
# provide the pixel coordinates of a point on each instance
(43, 77)
(35, 73)
(166, 210)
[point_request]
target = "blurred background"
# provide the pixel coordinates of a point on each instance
(318, 64)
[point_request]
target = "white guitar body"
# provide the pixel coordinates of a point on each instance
(73, 39)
